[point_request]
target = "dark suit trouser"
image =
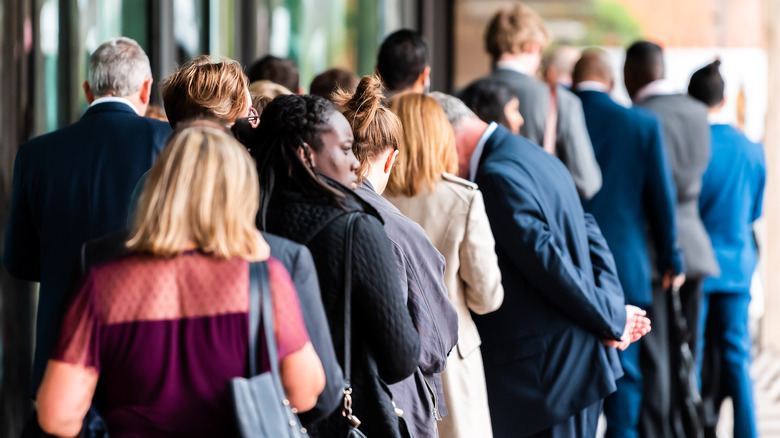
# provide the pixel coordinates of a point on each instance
(622, 407)
(690, 296)
(583, 424)
(654, 415)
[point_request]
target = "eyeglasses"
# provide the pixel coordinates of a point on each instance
(252, 117)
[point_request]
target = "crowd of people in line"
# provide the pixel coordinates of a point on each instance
(482, 265)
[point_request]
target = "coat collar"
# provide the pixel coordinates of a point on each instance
(108, 107)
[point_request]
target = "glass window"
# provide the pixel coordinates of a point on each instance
(189, 29)
(46, 96)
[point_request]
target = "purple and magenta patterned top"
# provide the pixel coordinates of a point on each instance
(166, 336)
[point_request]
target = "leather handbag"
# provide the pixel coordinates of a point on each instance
(352, 421)
(261, 407)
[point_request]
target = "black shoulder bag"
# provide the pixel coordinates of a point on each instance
(261, 408)
(352, 421)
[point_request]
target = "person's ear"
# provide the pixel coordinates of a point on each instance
(88, 93)
(146, 91)
(390, 161)
(304, 153)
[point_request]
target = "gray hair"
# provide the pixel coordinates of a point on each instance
(456, 111)
(118, 68)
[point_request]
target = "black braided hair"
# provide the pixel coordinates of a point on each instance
(286, 124)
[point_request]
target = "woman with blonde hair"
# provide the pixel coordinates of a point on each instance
(155, 336)
(452, 213)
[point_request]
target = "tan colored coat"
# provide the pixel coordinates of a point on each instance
(455, 220)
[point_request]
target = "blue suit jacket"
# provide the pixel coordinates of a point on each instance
(542, 349)
(70, 186)
(638, 192)
(730, 201)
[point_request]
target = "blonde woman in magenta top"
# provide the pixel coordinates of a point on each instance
(156, 335)
(452, 213)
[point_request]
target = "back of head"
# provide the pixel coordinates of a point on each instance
(205, 88)
(403, 57)
(558, 66)
(202, 190)
(118, 68)
(374, 126)
(592, 66)
(328, 82)
(428, 147)
(288, 123)
(707, 85)
(267, 88)
(515, 30)
(487, 97)
(456, 111)
(279, 70)
(644, 64)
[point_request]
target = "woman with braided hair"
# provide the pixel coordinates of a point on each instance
(418, 264)
(307, 176)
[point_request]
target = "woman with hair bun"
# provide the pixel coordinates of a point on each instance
(378, 136)
(307, 176)
(452, 213)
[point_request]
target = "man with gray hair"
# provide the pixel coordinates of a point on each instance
(546, 368)
(73, 185)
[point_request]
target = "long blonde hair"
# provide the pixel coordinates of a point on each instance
(428, 149)
(202, 191)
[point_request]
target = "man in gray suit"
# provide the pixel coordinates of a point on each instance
(553, 116)
(687, 137)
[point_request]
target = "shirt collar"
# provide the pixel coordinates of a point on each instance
(656, 88)
(591, 86)
(718, 118)
(477, 155)
(106, 99)
(514, 66)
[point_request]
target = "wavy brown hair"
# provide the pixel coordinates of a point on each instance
(202, 87)
(375, 127)
(428, 147)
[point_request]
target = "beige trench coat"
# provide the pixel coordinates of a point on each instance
(455, 220)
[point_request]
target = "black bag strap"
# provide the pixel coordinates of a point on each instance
(259, 284)
(348, 298)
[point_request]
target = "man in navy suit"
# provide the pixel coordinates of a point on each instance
(637, 195)
(73, 185)
(546, 365)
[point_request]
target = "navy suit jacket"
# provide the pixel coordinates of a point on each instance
(542, 349)
(638, 192)
(70, 186)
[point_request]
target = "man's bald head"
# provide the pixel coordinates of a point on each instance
(644, 64)
(593, 66)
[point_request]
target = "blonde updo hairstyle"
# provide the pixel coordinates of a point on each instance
(202, 193)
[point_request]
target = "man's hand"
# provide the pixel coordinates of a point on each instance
(637, 325)
(671, 280)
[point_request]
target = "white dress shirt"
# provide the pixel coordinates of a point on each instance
(475, 157)
(105, 99)
(656, 88)
(592, 86)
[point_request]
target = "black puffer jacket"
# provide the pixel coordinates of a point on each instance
(385, 344)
